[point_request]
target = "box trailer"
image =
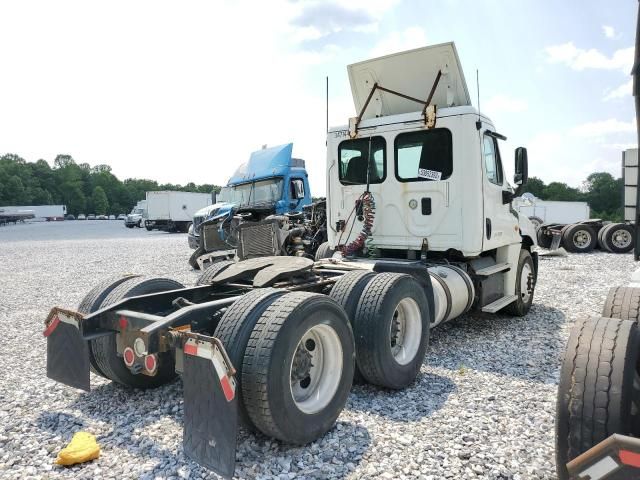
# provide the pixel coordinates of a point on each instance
(41, 213)
(550, 211)
(173, 211)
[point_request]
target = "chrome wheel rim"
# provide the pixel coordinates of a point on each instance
(582, 239)
(621, 238)
(405, 331)
(316, 369)
(526, 283)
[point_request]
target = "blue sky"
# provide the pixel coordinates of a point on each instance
(185, 91)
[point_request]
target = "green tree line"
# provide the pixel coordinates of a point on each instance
(600, 190)
(81, 187)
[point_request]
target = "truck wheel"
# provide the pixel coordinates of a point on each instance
(346, 292)
(579, 238)
(148, 228)
(544, 239)
(129, 226)
(194, 257)
(298, 367)
(234, 330)
(104, 348)
(598, 387)
(622, 303)
(618, 238)
(525, 285)
(206, 277)
(601, 244)
(324, 251)
(92, 301)
(391, 330)
(141, 223)
(537, 221)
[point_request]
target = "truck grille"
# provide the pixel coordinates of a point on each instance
(258, 240)
(196, 224)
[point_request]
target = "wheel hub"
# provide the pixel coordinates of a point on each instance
(621, 239)
(301, 363)
(581, 238)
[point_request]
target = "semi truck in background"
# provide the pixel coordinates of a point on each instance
(172, 211)
(36, 213)
(137, 215)
(550, 211)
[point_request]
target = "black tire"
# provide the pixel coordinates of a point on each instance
(346, 292)
(601, 244)
(129, 226)
(268, 366)
(324, 251)
(537, 221)
(376, 311)
(569, 238)
(525, 293)
(544, 239)
(206, 277)
(234, 330)
(104, 348)
(148, 228)
(596, 386)
(194, 257)
(622, 303)
(92, 301)
(618, 238)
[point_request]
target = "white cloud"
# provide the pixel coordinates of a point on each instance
(504, 103)
(609, 31)
(412, 37)
(602, 128)
(581, 59)
(622, 91)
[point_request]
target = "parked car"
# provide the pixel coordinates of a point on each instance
(91, 216)
(122, 216)
(112, 217)
(102, 217)
(69, 217)
(82, 216)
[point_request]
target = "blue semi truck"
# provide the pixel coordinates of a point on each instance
(272, 186)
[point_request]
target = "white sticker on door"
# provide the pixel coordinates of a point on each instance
(429, 174)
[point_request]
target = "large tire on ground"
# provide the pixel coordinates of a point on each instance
(194, 257)
(104, 348)
(596, 391)
(141, 223)
(544, 239)
(347, 292)
(579, 238)
(298, 367)
(129, 226)
(525, 285)
(234, 330)
(536, 221)
(622, 303)
(601, 244)
(324, 251)
(206, 277)
(391, 328)
(618, 238)
(92, 301)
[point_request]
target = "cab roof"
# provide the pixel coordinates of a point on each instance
(267, 163)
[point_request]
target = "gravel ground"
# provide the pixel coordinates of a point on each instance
(483, 406)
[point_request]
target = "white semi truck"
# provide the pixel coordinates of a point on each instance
(421, 229)
(173, 211)
(137, 215)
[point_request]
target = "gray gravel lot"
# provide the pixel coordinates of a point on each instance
(483, 406)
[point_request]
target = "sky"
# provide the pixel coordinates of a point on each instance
(184, 91)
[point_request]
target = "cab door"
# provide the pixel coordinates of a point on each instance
(500, 224)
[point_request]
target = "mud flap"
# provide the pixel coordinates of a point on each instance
(67, 351)
(555, 242)
(210, 405)
(616, 458)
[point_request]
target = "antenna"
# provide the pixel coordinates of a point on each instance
(327, 120)
(479, 122)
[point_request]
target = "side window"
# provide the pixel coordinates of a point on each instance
(354, 155)
(492, 164)
(297, 188)
(424, 155)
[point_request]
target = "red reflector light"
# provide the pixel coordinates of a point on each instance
(190, 349)
(52, 326)
(123, 322)
(129, 357)
(630, 458)
(150, 363)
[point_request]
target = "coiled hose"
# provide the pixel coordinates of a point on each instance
(368, 205)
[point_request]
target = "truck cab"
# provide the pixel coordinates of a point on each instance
(410, 179)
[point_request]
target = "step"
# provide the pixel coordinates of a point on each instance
(491, 269)
(499, 304)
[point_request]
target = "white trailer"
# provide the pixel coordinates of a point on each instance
(172, 210)
(550, 211)
(41, 213)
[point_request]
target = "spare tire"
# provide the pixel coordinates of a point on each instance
(206, 278)
(597, 387)
(193, 259)
(105, 350)
(579, 238)
(324, 251)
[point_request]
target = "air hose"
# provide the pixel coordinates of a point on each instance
(368, 209)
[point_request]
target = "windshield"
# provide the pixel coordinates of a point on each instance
(254, 192)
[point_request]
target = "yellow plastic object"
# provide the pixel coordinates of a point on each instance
(82, 448)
